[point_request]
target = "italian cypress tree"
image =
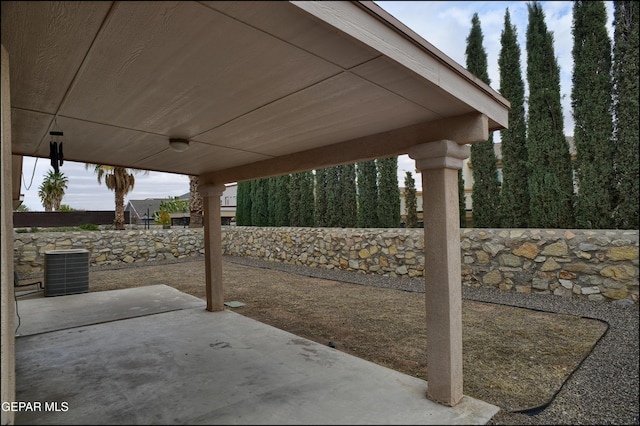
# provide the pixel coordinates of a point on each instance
(259, 202)
(462, 203)
(550, 174)
(271, 201)
(321, 198)
(243, 204)
(626, 95)
(367, 194)
(486, 187)
(348, 192)
(389, 193)
(294, 200)
(591, 104)
(306, 199)
(334, 198)
(410, 201)
(514, 195)
(281, 216)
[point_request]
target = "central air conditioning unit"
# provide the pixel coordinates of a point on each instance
(66, 272)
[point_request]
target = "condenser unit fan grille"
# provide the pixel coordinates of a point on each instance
(66, 272)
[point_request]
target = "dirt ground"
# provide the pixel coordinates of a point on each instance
(514, 358)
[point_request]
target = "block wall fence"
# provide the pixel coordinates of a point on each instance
(599, 265)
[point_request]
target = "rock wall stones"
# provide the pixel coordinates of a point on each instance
(390, 252)
(108, 247)
(593, 264)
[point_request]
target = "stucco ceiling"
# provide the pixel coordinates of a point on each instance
(257, 87)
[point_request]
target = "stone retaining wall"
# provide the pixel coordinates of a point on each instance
(108, 247)
(593, 264)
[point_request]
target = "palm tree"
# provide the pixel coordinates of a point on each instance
(118, 179)
(195, 203)
(51, 191)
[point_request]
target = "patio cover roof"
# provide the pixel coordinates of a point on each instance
(259, 88)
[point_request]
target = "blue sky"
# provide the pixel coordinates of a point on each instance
(444, 24)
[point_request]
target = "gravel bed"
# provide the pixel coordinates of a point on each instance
(602, 390)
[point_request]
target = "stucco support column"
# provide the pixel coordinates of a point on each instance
(439, 163)
(213, 245)
(7, 301)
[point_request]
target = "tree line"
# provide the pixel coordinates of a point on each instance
(364, 195)
(541, 185)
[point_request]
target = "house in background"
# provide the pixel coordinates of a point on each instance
(228, 204)
(141, 212)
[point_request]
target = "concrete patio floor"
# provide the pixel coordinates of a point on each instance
(154, 355)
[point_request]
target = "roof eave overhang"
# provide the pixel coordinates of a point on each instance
(399, 43)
